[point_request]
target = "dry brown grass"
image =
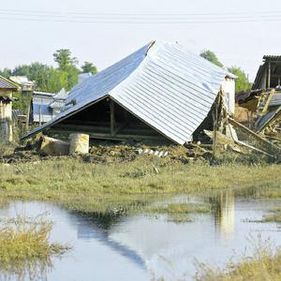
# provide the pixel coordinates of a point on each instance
(264, 265)
(25, 250)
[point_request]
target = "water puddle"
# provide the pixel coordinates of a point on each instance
(143, 247)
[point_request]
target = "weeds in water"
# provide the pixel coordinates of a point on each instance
(263, 265)
(179, 212)
(273, 216)
(25, 250)
(182, 208)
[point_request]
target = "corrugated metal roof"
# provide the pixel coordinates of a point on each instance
(7, 85)
(264, 120)
(96, 87)
(165, 85)
(40, 107)
(172, 90)
(276, 99)
(103, 82)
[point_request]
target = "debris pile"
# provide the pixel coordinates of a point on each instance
(264, 108)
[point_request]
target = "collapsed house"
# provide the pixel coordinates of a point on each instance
(264, 99)
(161, 92)
(7, 87)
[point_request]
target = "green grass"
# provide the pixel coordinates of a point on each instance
(264, 265)
(25, 248)
(181, 208)
(127, 186)
(273, 216)
(179, 212)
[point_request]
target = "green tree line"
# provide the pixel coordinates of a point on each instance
(52, 79)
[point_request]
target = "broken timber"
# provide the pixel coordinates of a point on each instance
(259, 138)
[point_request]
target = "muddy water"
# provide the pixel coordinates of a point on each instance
(151, 247)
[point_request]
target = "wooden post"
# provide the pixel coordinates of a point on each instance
(6, 128)
(27, 117)
(112, 118)
(29, 104)
(214, 131)
(39, 115)
(215, 121)
(269, 75)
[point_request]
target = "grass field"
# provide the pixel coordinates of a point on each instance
(126, 186)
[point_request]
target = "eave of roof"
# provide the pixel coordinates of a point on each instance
(7, 84)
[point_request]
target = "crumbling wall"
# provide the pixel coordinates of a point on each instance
(6, 131)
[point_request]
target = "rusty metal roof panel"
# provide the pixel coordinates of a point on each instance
(163, 84)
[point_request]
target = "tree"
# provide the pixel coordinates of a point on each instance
(67, 64)
(64, 59)
(242, 82)
(37, 72)
(57, 80)
(211, 56)
(6, 72)
(89, 67)
(46, 78)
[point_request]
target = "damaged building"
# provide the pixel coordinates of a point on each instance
(161, 92)
(7, 87)
(264, 99)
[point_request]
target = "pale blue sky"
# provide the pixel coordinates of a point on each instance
(236, 43)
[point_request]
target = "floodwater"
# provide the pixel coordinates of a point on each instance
(145, 247)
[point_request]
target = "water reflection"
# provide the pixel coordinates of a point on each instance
(141, 247)
(32, 271)
(87, 230)
(224, 212)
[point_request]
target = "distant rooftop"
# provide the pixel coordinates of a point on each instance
(6, 84)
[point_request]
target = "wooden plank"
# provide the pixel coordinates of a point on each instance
(252, 133)
(254, 148)
(112, 118)
(107, 136)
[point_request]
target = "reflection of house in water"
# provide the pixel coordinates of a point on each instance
(88, 229)
(224, 205)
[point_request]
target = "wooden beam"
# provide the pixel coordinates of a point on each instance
(269, 75)
(255, 135)
(112, 118)
(107, 136)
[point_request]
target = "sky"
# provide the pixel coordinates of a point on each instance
(240, 32)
